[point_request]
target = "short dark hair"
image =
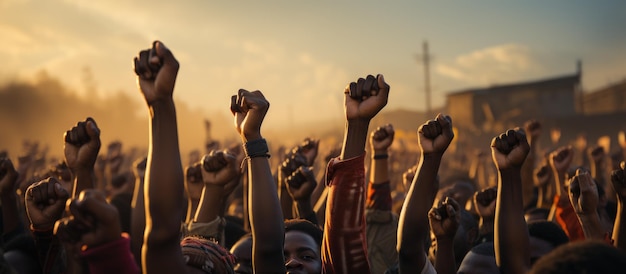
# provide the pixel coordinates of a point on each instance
(307, 227)
(548, 231)
(582, 257)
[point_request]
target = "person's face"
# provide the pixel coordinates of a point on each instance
(243, 251)
(302, 254)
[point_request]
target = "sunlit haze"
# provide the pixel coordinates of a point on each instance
(301, 54)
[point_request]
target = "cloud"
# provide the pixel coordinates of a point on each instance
(501, 63)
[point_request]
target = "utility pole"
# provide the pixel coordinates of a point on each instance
(424, 58)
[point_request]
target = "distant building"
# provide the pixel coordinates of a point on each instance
(494, 108)
(609, 99)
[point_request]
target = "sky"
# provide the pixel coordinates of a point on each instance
(301, 54)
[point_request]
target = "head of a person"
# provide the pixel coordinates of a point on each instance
(582, 257)
(242, 250)
(302, 248)
(461, 190)
(206, 256)
(545, 236)
(481, 259)
(464, 239)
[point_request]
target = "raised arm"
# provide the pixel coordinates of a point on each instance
(138, 214)
(533, 132)
(344, 249)
(444, 223)
(156, 70)
(509, 151)
(266, 220)
(434, 137)
(8, 197)
(485, 204)
(618, 178)
(381, 223)
(583, 194)
(218, 169)
(82, 144)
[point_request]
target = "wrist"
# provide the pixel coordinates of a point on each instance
(248, 137)
(445, 239)
(380, 152)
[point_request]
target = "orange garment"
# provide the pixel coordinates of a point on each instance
(568, 220)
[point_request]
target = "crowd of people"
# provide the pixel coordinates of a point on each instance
(239, 210)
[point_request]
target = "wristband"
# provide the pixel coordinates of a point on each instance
(256, 148)
(381, 156)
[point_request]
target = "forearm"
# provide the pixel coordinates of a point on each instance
(210, 204)
(592, 228)
(266, 219)
(83, 179)
(413, 225)
(527, 177)
(380, 170)
(510, 227)
(305, 210)
(485, 227)
(163, 195)
(138, 221)
(619, 229)
(444, 261)
(354, 139)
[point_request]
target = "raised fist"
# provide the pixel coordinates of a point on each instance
(382, 138)
(618, 178)
(542, 175)
(366, 97)
(82, 144)
(436, 135)
(91, 221)
(309, 150)
(249, 109)
(445, 219)
(219, 168)
(596, 154)
(533, 130)
(301, 183)
(485, 202)
(509, 150)
(156, 70)
(45, 201)
(583, 193)
(561, 158)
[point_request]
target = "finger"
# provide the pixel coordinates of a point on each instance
(67, 136)
(137, 67)
(445, 122)
(453, 203)
(165, 55)
(383, 87)
(353, 91)
(234, 106)
(92, 128)
(154, 60)
(511, 139)
(433, 214)
(144, 57)
(360, 93)
(369, 84)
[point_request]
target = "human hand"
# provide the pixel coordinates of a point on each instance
(509, 150)
(45, 201)
(193, 182)
(407, 177)
(533, 130)
(596, 154)
(444, 220)
(618, 178)
(156, 70)
(309, 150)
(219, 168)
(249, 109)
(381, 139)
(435, 135)
(139, 168)
(485, 202)
(542, 175)
(583, 193)
(8, 176)
(366, 97)
(91, 221)
(561, 158)
(301, 183)
(82, 144)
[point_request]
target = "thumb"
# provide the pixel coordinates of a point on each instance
(166, 56)
(92, 129)
(446, 125)
(60, 192)
(382, 85)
